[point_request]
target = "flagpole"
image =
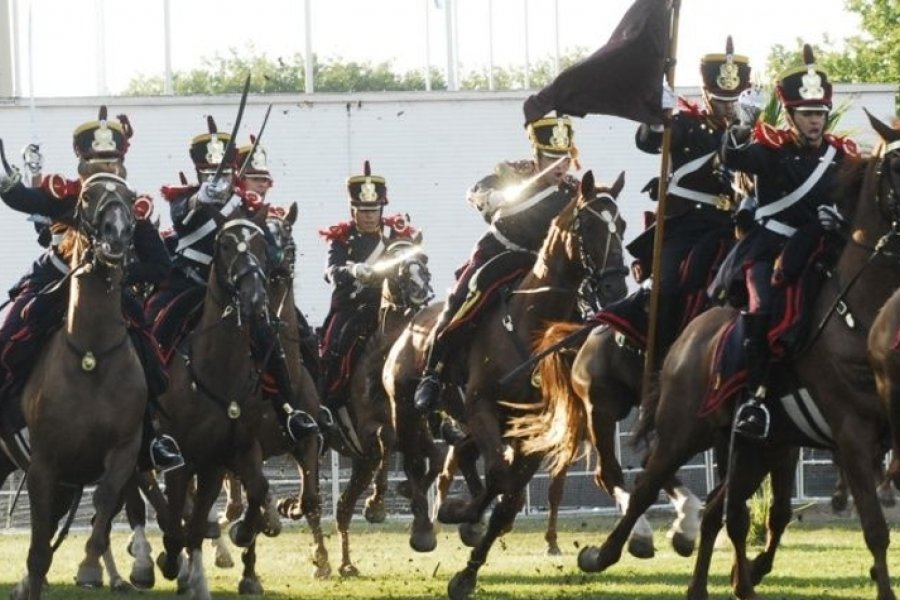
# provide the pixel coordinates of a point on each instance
(659, 233)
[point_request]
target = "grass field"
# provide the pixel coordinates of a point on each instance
(821, 560)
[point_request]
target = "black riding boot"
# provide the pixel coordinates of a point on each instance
(164, 452)
(428, 392)
(752, 418)
(298, 424)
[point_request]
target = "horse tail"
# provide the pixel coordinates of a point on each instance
(556, 426)
(646, 421)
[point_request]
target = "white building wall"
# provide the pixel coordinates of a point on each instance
(430, 147)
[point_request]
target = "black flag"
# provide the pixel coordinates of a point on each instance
(623, 78)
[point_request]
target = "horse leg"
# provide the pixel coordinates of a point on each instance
(686, 526)
(42, 492)
(142, 574)
(752, 472)
(234, 501)
(169, 560)
(445, 478)
(261, 514)
(462, 585)
(249, 584)
(360, 478)
(466, 460)
(782, 477)
(120, 466)
(374, 510)
(412, 446)
(554, 497)
(840, 497)
(857, 454)
(209, 485)
(307, 457)
(710, 526)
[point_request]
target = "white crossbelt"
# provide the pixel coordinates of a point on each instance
(683, 192)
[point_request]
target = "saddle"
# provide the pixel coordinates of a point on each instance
(177, 319)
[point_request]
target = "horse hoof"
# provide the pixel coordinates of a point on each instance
(682, 544)
(20, 591)
(471, 533)
(233, 511)
(404, 489)
(143, 579)
(839, 503)
(553, 550)
(289, 507)
(423, 541)
(241, 534)
(642, 547)
(348, 570)
(213, 531)
(589, 559)
(453, 511)
(169, 570)
(322, 571)
(250, 586)
(462, 586)
(89, 577)
(224, 561)
(697, 594)
(759, 568)
(120, 586)
(375, 511)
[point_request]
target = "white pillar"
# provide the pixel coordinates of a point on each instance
(168, 83)
(451, 43)
(7, 87)
(102, 89)
(527, 57)
(428, 45)
(491, 45)
(308, 72)
(555, 37)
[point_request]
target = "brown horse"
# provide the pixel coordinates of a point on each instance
(214, 404)
(586, 397)
(272, 437)
(84, 400)
(583, 243)
(406, 289)
(839, 396)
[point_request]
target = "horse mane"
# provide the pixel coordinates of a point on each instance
(558, 226)
(851, 177)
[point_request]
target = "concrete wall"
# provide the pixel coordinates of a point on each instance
(430, 147)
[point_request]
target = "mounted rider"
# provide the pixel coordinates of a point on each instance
(193, 209)
(796, 171)
(39, 299)
(700, 200)
(519, 200)
(354, 247)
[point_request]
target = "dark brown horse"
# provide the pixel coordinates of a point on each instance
(583, 243)
(839, 396)
(214, 404)
(272, 437)
(406, 289)
(85, 398)
(586, 398)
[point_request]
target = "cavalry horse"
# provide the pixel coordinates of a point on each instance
(582, 244)
(840, 396)
(214, 405)
(405, 290)
(272, 437)
(586, 398)
(84, 400)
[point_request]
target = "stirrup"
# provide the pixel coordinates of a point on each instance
(453, 432)
(753, 419)
(164, 454)
(299, 424)
(428, 393)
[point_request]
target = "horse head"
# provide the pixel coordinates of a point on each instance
(599, 229)
(407, 281)
(282, 249)
(240, 264)
(888, 171)
(104, 217)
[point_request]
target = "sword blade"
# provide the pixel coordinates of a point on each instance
(3, 160)
(229, 149)
(262, 128)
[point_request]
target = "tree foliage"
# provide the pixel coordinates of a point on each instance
(225, 74)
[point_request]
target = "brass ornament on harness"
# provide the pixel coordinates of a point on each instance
(234, 410)
(88, 362)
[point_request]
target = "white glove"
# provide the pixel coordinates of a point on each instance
(33, 159)
(8, 180)
(486, 201)
(751, 103)
(829, 217)
(669, 99)
(213, 192)
(362, 272)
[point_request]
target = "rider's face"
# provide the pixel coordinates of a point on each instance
(810, 125)
(260, 185)
(558, 171)
(368, 220)
(723, 110)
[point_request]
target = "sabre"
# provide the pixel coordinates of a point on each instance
(262, 128)
(229, 149)
(390, 263)
(3, 160)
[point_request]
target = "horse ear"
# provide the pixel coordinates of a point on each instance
(587, 185)
(618, 185)
(886, 132)
(291, 217)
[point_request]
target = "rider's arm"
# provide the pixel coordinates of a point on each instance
(337, 271)
(36, 201)
(153, 263)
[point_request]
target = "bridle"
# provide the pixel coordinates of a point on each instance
(597, 271)
(114, 192)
